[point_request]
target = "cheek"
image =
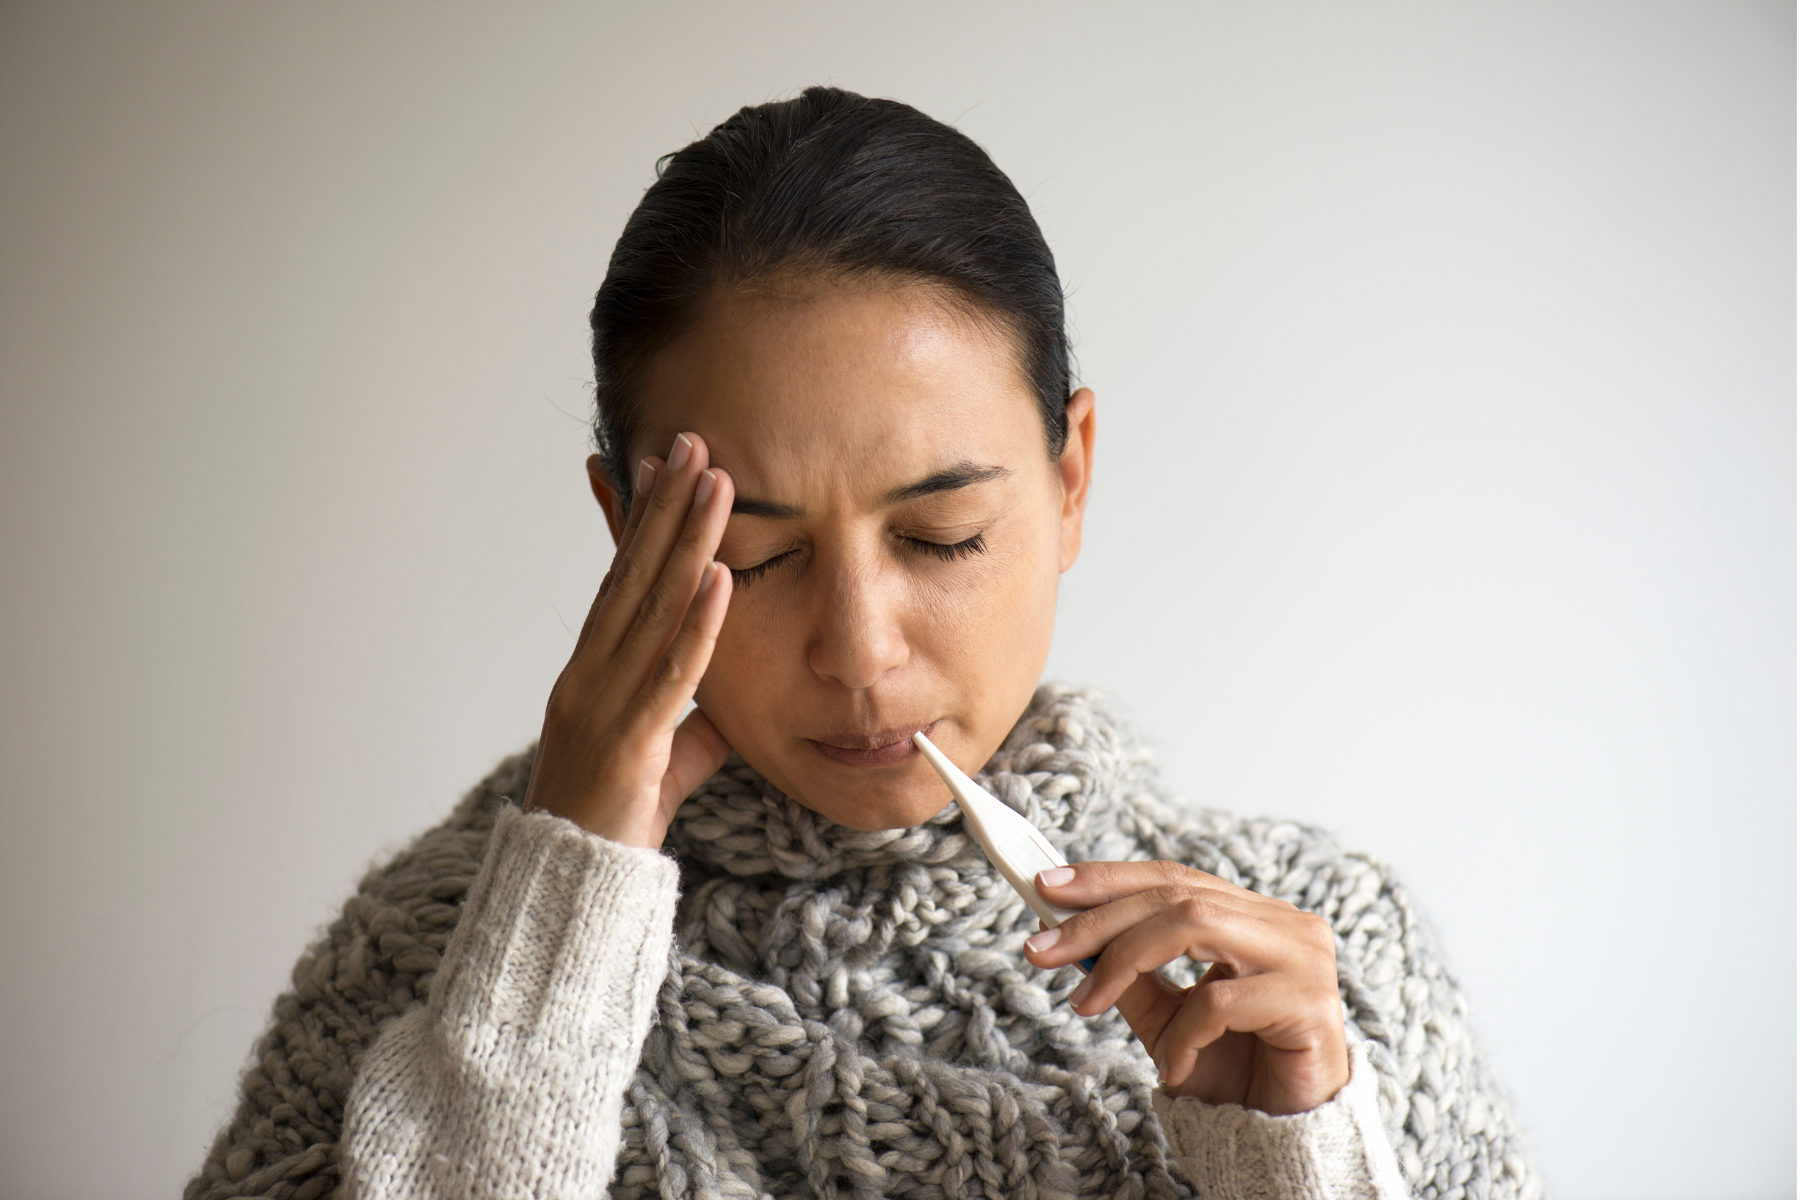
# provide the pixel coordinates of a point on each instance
(1025, 567)
(1012, 640)
(992, 619)
(749, 647)
(759, 671)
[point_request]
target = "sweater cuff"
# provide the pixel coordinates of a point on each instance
(563, 942)
(1338, 1150)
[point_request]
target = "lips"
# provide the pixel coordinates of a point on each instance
(882, 748)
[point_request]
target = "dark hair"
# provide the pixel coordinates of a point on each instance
(836, 183)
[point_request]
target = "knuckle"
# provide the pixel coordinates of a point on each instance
(669, 672)
(1195, 909)
(658, 498)
(1319, 931)
(626, 568)
(683, 544)
(1082, 924)
(560, 710)
(1221, 993)
(1169, 895)
(657, 604)
(693, 528)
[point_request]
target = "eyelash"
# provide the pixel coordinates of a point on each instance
(952, 550)
(948, 551)
(741, 577)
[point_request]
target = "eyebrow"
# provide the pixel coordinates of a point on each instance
(950, 479)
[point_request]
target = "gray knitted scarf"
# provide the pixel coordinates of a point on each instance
(849, 1013)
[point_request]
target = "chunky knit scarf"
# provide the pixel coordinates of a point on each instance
(849, 1013)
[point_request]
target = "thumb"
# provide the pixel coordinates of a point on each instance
(696, 750)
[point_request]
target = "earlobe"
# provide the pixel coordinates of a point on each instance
(1076, 467)
(602, 486)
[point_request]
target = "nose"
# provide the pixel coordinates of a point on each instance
(857, 636)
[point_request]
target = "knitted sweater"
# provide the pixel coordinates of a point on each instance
(779, 1006)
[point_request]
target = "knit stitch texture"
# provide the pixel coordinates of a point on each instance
(509, 1080)
(848, 1013)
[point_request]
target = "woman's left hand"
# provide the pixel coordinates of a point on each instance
(1263, 1028)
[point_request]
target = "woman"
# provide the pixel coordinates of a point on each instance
(748, 951)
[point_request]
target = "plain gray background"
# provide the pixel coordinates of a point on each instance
(1445, 488)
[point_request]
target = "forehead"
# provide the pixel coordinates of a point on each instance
(860, 387)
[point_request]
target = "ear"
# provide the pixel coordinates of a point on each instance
(1076, 467)
(607, 495)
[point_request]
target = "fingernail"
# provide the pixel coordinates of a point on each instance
(645, 477)
(680, 452)
(1041, 942)
(1081, 992)
(704, 489)
(708, 577)
(1056, 876)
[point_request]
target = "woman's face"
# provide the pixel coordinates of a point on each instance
(896, 537)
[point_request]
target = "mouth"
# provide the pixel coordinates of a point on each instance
(882, 748)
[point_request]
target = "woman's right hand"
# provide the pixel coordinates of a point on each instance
(615, 756)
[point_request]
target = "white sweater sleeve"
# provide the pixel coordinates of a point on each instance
(1337, 1151)
(509, 1081)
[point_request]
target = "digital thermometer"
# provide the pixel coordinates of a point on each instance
(1014, 845)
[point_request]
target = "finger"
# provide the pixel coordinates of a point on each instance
(671, 685)
(1091, 884)
(643, 484)
(1149, 1005)
(1205, 932)
(697, 750)
(640, 562)
(666, 605)
(646, 477)
(1275, 1007)
(1088, 933)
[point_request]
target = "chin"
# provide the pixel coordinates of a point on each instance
(860, 802)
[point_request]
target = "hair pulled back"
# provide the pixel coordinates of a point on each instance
(834, 183)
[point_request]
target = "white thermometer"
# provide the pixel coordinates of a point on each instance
(1013, 844)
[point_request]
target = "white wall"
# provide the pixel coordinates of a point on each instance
(1446, 488)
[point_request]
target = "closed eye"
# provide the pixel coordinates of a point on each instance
(746, 575)
(949, 550)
